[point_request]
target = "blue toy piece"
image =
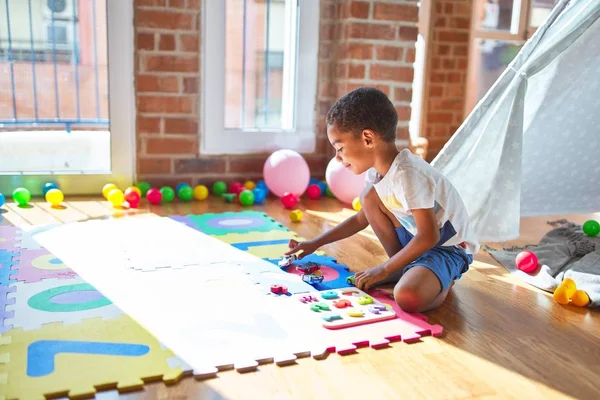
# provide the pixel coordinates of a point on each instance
(2, 200)
(332, 294)
(48, 186)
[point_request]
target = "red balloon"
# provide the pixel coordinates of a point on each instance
(289, 200)
(236, 187)
(154, 196)
(133, 198)
(313, 191)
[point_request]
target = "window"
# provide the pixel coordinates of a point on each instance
(499, 30)
(259, 75)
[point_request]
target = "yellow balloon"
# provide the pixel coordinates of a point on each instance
(116, 197)
(249, 185)
(107, 188)
(54, 197)
(200, 192)
(356, 204)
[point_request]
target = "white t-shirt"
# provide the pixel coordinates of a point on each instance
(411, 183)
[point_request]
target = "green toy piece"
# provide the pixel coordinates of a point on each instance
(219, 188)
(350, 280)
(591, 228)
(246, 198)
(364, 300)
(21, 196)
(144, 187)
(320, 307)
(229, 197)
(186, 193)
(168, 194)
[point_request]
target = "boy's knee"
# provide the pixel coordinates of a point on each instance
(409, 299)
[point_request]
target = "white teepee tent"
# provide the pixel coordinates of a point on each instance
(531, 146)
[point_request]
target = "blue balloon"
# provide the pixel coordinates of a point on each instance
(180, 185)
(48, 186)
(259, 195)
(2, 200)
(313, 180)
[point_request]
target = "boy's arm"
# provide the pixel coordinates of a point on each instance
(427, 237)
(349, 227)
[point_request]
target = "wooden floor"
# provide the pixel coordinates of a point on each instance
(503, 339)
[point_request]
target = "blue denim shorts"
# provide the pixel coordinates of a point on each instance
(448, 263)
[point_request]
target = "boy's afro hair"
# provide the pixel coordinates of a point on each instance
(364, 108)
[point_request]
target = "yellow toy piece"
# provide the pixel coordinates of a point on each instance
(564, 291)
(356, 204)
(580, 299)
(62, 360)
(250, 185)
(107, 188)
(54, 197)
(200, 192)
(296, 215)
(116, 197)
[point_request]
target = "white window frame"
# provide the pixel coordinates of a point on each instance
(121, 115)
(218, 140)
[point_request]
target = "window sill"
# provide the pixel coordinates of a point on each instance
(253, 142)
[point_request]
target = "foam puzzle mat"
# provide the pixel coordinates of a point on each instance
(59, 336)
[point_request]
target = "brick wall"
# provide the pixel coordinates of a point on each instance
(361, 43)
(447, 79)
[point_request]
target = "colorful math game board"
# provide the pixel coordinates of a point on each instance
(54, 325)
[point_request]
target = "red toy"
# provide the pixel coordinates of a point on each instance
(154, 196)
(133, 198)
(526, 261)
(289, 200)
(236, 187)
(313, 191)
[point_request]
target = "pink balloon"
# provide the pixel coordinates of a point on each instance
(286, 171)
(343, 183)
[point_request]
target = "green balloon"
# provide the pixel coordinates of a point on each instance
(186, 193)
(144, 187)
(591, 228)
(246, 198)
(168, 194)
(330, 193)
(219, 188)
(21, 196)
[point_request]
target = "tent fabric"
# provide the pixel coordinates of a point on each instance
(531, 146)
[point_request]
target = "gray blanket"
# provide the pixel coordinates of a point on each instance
(564, 252)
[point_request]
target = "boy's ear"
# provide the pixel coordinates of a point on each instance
(368, 137)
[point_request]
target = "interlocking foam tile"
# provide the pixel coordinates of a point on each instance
(8, 237)
(58, 300)
(234, 222)
(183, 220)
(26, 240)
(8, 264)
(35, 265)
(335, 274)
(77, 360)
(6, 299)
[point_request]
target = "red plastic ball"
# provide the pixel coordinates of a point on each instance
(313, 191)
(527, 261)
(289, 200)
(154, 196)
(133, 198)
(236, 188)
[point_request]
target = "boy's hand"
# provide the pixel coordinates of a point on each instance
(365, 280)
(307, 247)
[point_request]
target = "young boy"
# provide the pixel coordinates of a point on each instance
(416, 213)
